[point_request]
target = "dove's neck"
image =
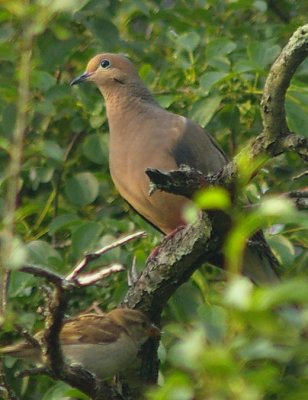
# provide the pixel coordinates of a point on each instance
(127, 104)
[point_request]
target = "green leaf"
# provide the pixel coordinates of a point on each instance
(82, 189)
(213, 198)
(292, 291)
(220, 47)
(260, 5)
(165, 100)
(7, 52)
(43, 254)
(262, 53)
(21, 284)
(42, 80)
(67, 5)
(275, 206)
(103, 30)
(283, 249)
(95, 149)
(52, 150)
(209, 79)
(188, 41)
(297, 109)
(203, 110)
(58, 391)
(63, 222)
(8, 119)
(85, 237)
(243, 66)
(54, 52)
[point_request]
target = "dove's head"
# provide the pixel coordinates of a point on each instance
(108, 70)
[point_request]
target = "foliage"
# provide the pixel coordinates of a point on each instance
(207, 60)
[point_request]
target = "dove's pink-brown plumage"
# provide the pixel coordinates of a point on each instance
(144, 135)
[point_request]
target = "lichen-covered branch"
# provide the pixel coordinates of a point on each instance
(277, 83)
(167, 268)
(174, 262)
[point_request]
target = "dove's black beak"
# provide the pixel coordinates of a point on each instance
(81, 78)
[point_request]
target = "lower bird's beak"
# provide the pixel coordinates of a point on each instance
(81, 78)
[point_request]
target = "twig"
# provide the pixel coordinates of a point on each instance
(28, 337)
(94, 277)
(132, 274)
(92, 256)
(50, 276)
(32, 372)
(301, 175)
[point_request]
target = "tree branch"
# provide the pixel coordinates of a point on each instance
(277, 83)
(81, 265)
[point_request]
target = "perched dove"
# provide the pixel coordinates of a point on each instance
(144, 135)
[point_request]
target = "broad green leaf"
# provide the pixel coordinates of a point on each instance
(262, 53)
(43, 254)
(260, 5)
(85, 237)
(165, 100)
(82, 189)
(67, 5)
(203, 110)
(188, 41)
(219, 47)
(42, 80)
(292, 291)
(209, 79)
(297, 109)
(283, 249)
(63, 222)
(213, 198)
(104, 30)
(59, 391)
(51, 149)
(95, 149)
(8, 119)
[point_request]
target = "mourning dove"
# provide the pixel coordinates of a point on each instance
(103, 344)
(144, 135)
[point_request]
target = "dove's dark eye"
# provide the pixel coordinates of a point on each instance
(105, 63)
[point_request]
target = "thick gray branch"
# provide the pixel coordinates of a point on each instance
(277, 83)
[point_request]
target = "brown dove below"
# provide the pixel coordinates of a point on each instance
(144, 135)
